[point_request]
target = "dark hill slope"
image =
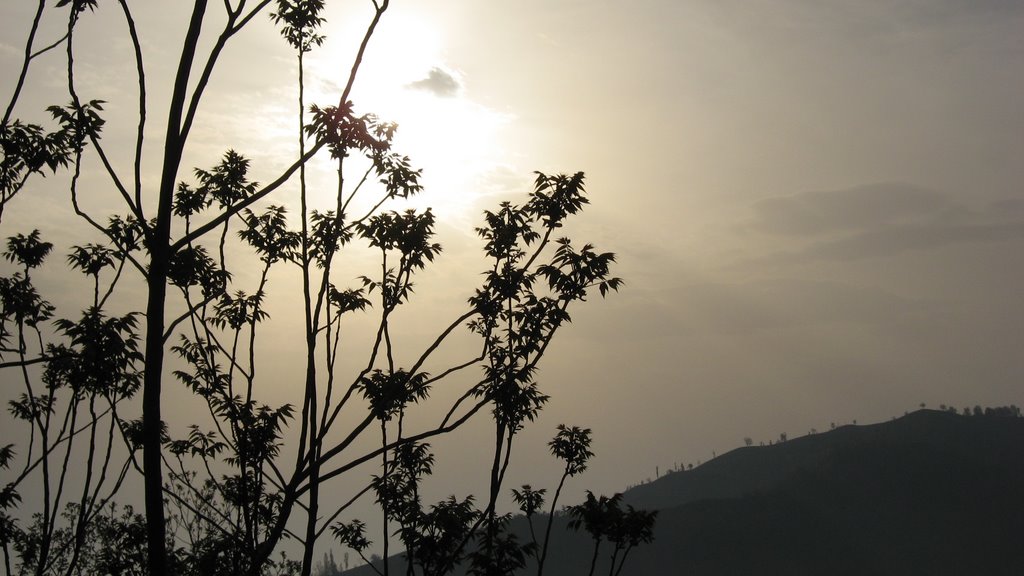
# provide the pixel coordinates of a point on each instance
(963, 440)
(931, 493)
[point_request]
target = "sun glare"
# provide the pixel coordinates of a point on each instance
(457, 142)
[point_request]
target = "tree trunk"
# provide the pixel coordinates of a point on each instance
(160, 255)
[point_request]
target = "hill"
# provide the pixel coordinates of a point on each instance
(931, 493)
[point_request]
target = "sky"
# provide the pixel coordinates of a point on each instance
(817, 207)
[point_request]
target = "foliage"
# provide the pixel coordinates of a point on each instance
(605, 520)
(225, 490)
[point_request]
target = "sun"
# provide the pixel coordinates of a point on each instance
(407, 79)
(457, 143)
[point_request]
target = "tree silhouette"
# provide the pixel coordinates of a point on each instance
(224, 490)
(572, 446)
(605, 520)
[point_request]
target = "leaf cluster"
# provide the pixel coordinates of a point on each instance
(79, 122)
(605, 520)
(103, 356)
(299, 19)
(268, 234)
(572, 445)
(28, 149)
(389, 393)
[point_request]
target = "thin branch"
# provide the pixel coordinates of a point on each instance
(49, 47)
(230, 29)
(407, 440)
(342, 508)
(235, 209)
(141, 73)
(245, 20)
(380, 9)
(20, 363)
(24, 66)
(440, 339)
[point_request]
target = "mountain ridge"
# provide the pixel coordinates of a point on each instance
(757, 468)
(931, 493)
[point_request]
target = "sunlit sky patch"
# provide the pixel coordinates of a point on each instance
(458, 142)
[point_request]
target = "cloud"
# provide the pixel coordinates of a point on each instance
(850, 209)
(780, 304)
(880, 220)
(1007, 207)
(439, 83)
(899, 239)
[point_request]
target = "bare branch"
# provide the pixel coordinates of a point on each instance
(25, 63)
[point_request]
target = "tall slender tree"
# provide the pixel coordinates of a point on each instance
(222, 492)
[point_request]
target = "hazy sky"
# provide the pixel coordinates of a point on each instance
(818, 206)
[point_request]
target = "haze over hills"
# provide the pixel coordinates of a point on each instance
(931, 493)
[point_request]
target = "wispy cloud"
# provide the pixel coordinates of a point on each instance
(879, 220)
(899, 239)
(851, 209)
(9, 49)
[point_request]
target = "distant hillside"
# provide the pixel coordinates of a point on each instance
(932, 493)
